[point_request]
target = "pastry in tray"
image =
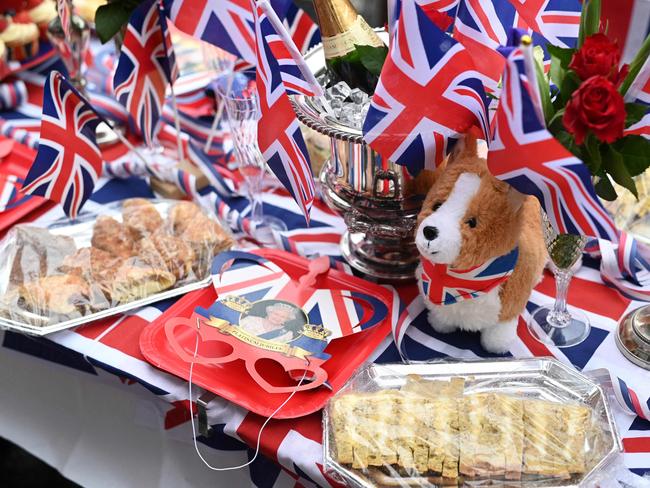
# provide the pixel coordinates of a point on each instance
(431, 432)
(130, 256)
(67, 295)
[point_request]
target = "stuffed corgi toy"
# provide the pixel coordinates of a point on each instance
(482, 250)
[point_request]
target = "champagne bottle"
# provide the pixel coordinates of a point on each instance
(353, 51)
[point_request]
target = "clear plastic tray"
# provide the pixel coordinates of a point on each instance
(502, 434)
(125, 255)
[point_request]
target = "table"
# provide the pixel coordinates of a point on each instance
(107, 352)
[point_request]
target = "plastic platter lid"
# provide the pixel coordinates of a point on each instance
(541, 378)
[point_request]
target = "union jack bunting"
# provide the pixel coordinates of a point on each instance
(444, 285)
(526, 155)
(557, 20)
(279, 135)
(424, 63)
(10, 196)
(68, 161)
(145, 68)
(64, 9)
(296, 75)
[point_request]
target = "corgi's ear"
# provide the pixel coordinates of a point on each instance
(516, 198)
(465, 148)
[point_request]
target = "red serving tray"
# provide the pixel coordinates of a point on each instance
(17, 163)
(233, 382)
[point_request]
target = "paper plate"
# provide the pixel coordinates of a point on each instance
(232, 380)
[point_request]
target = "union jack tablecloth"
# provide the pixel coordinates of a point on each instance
(292, 449)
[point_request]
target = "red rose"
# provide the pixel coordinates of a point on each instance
(597, 107)
(598, 56)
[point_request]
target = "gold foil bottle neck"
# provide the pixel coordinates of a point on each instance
(335, 16)
(342, 28)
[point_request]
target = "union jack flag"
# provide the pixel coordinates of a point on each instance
(444, 285)
(436, 10)
(302, 29)
(557, 20)
(279, 135)
(296, 75)
(145, 67)
(526, 155)
(424, 63)
(482, 26)
(230, 24)
(64, 9)
(68, 161)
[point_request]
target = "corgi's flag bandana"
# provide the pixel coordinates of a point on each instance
(444, 285)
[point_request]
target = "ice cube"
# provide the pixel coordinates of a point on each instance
(358, 96)
(340, 90)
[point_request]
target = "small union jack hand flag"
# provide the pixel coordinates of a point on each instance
(145, 68)
(428, 94)
(295, 74)
(525, 154)
(557, 20)
(278, 134)
(482, 26)
(227, 24)
(302, 29)
(68, 161)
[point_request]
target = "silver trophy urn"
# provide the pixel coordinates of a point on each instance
(373, 195)
(73, 52)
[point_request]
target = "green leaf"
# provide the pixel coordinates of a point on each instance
(605, 189)
(634, 113)
(372, 58)
(592, 18)
(593, 150)
(563, 55)
(555, 125)
(110, 18)
(635, 151)
(570, 84)
(569, 143)
(544, 91)
(614, 165)
(581, 29)
(560, 60)
(635, 66)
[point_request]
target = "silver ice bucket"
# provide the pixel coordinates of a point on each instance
(374, 196)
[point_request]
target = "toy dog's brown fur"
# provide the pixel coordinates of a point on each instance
(505, 219)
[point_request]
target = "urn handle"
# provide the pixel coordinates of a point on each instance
(380, 178)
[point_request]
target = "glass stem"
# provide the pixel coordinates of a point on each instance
(257, 212)
(560, 316)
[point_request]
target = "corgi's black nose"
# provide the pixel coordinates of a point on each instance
(430, 233)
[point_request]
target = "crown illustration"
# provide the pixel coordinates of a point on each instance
(239, 304)
(315, 331)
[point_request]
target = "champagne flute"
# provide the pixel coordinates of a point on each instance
(243, 111)
(555, 324)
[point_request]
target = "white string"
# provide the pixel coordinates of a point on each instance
(259, 435)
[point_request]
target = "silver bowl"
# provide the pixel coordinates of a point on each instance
(374, 196)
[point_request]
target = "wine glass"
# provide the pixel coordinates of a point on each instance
(243, 112)
(555, 324)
